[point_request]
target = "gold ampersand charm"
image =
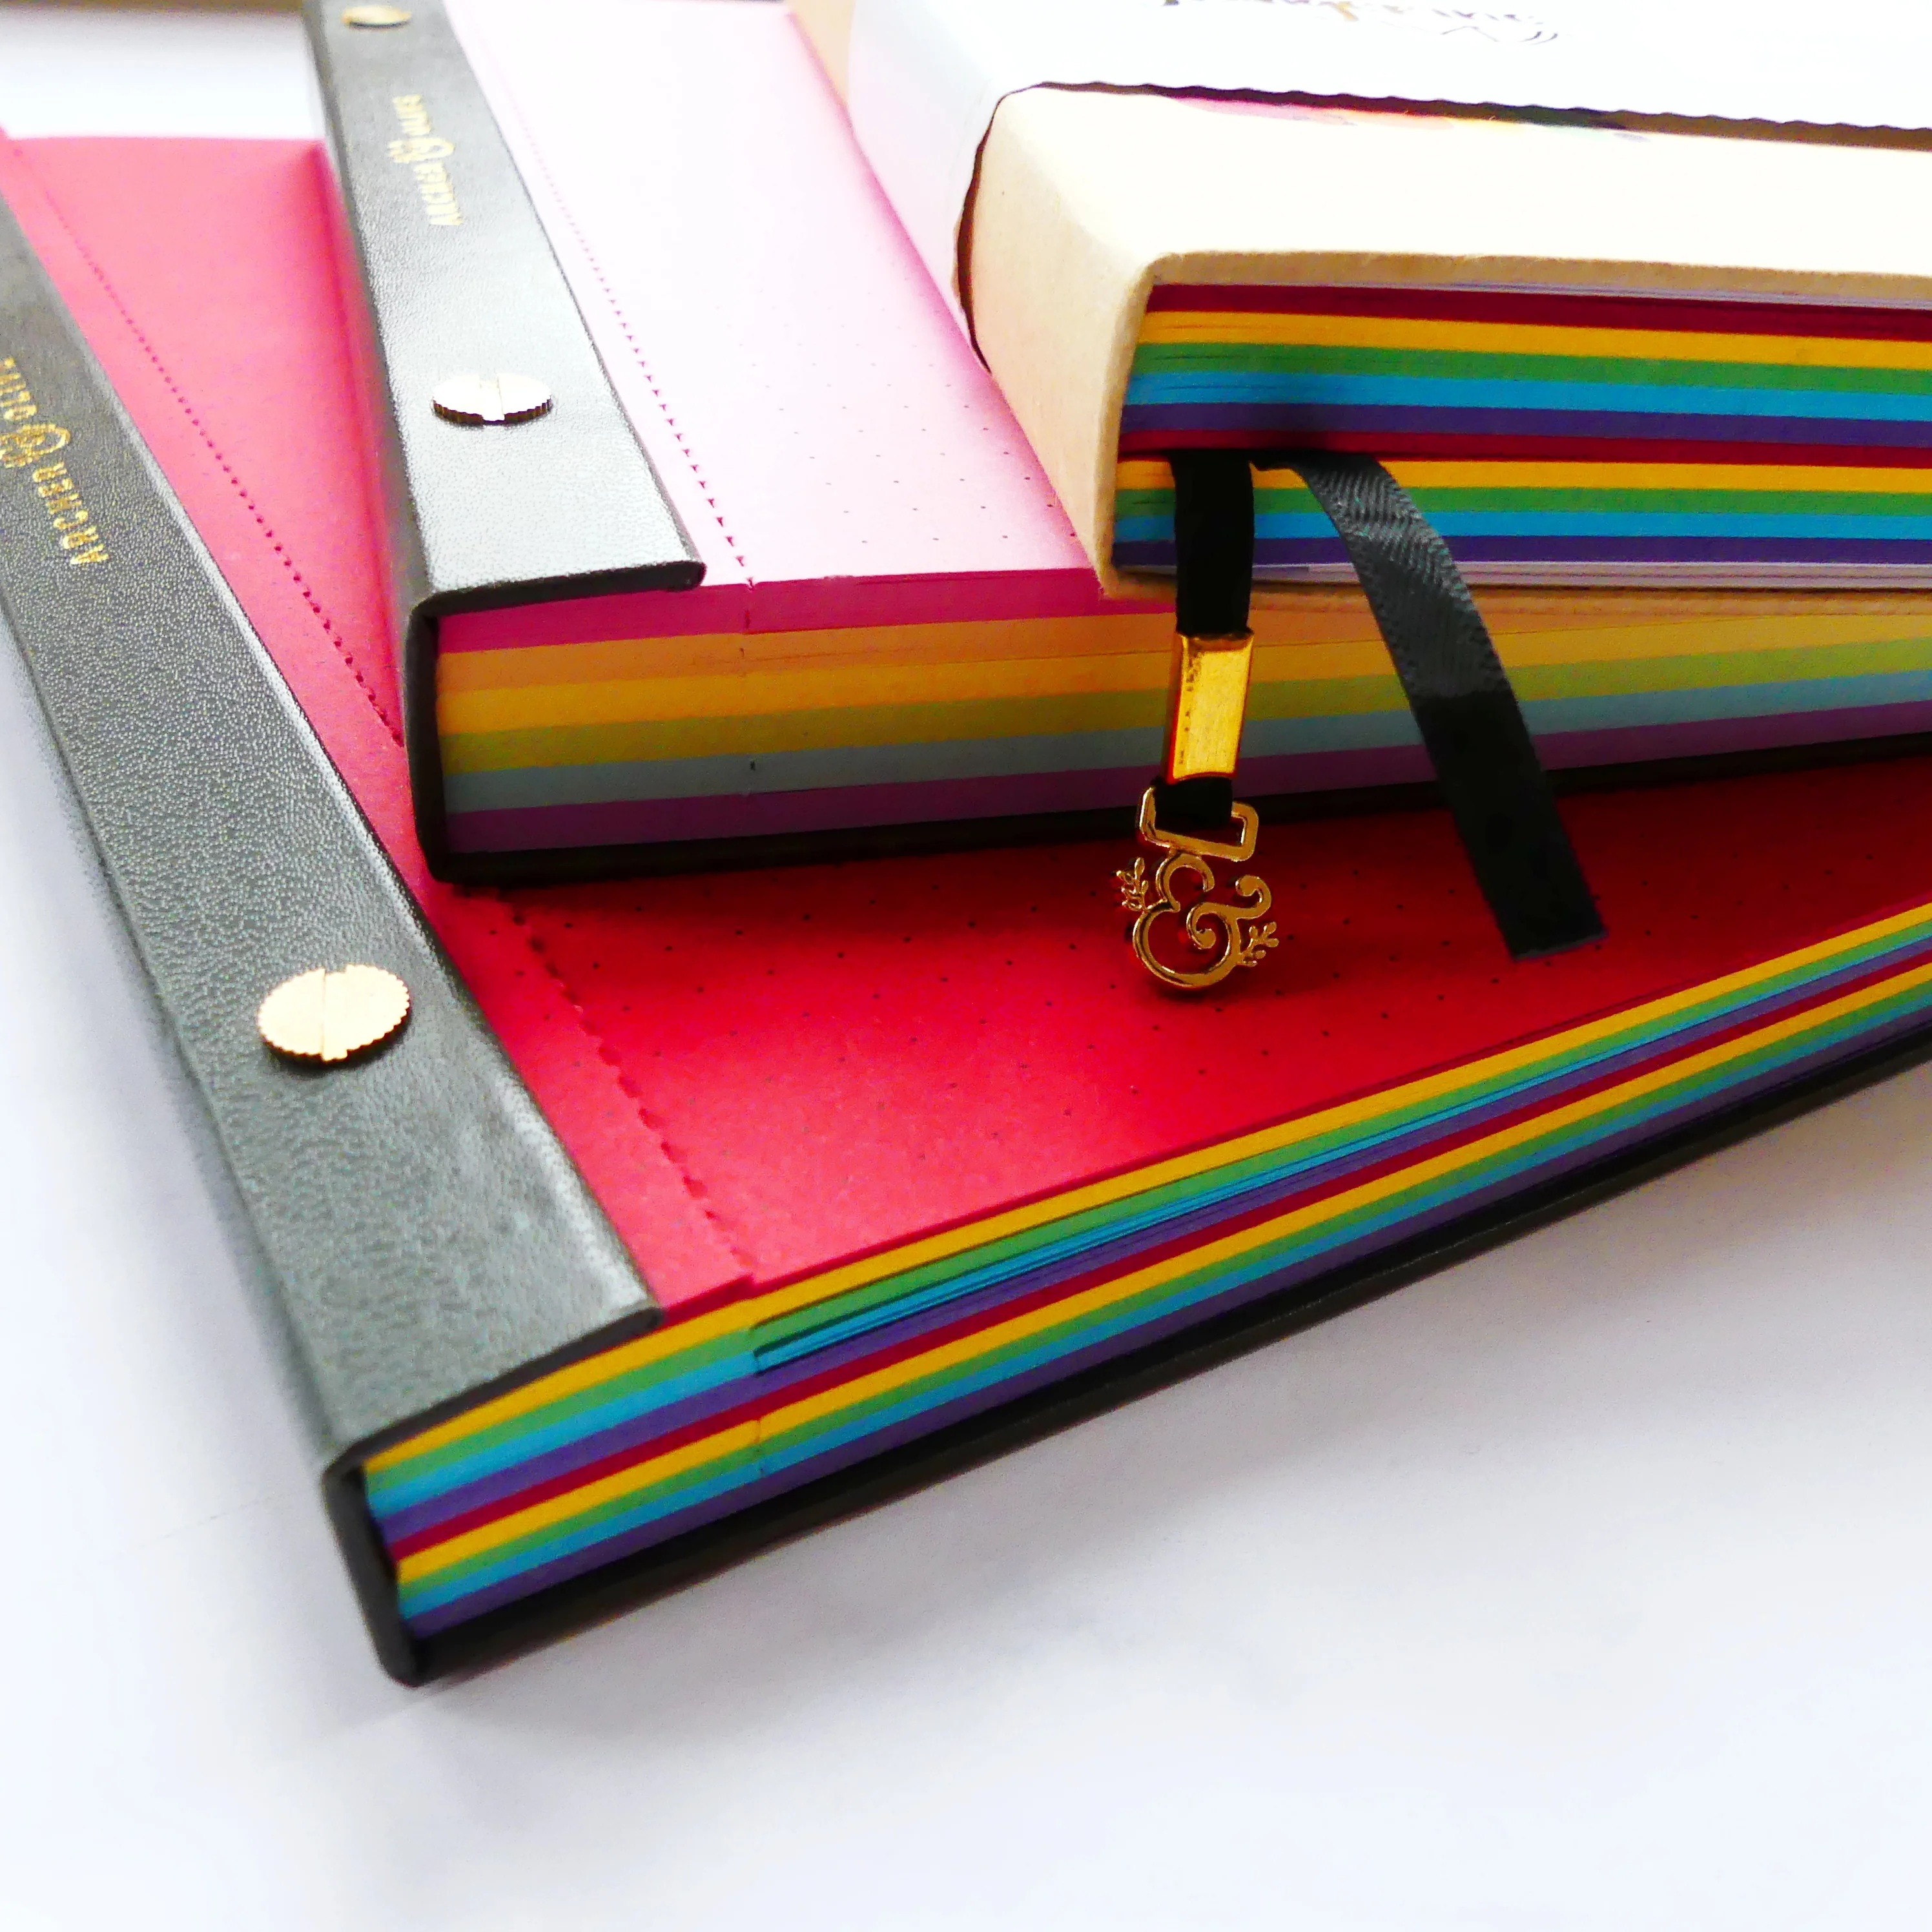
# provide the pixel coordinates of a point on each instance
(1234, 934)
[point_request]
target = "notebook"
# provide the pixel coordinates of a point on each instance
(903, 636)
(913, 1163)
(1600, 352)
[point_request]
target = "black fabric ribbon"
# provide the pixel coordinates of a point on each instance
(1494, 783)
(1214, 569)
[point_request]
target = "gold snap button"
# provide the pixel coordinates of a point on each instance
(376, 17)
(501, 398)
(323, 1015)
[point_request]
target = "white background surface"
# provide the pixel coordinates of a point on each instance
(1586, 1586)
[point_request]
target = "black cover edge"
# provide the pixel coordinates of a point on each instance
(421, 1237)
(570, 1607)
(345, 1497)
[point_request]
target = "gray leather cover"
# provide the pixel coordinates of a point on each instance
(565, 505)
(424, 1236)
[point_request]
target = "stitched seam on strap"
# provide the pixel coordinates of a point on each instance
(321, 617)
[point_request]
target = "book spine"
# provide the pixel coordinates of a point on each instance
(458, 281)
(422, 1234)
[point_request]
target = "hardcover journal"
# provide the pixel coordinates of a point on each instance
(751, 1196)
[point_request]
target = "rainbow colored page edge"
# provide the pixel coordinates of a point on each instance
(1552, 437)
(632, 1447)
(620, 740)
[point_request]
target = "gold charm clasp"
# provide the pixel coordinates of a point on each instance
(1235, 934)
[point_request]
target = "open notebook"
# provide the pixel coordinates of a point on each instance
(910, 1157)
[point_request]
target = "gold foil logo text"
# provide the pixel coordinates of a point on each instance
(423, 151)
(74, 528)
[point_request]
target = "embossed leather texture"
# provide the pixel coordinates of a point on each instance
(460, 278)
(424, 1233)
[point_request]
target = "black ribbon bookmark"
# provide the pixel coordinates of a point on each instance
(1495, 785)
(1214, 567)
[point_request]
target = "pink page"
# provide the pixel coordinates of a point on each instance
(824, 428)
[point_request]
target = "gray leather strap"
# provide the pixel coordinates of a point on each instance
(459, 277)
(422, 1234)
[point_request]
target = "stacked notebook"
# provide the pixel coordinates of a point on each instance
(913, 1161)
(901, 639)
